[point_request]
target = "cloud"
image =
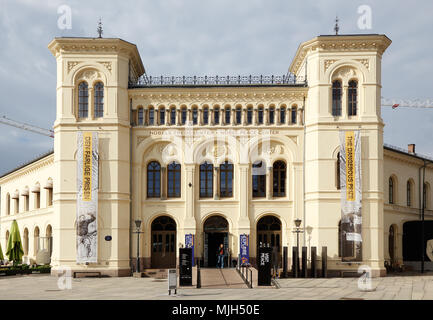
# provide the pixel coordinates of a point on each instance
(204, 37)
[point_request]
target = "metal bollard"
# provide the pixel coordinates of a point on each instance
(324, 262)
(313, 262)
(198, 275)
(284, 262)
(304, 262)
(295, 262)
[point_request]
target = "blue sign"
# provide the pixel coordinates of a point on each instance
(189, 243)
(244, 249)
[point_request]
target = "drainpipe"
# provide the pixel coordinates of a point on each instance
(303, 169)
(422, 209)
(130, 182)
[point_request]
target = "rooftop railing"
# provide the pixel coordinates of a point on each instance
(260, 80)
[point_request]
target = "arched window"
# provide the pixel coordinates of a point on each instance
(49, 239)
(279, 179)
(173, 116)
(352, 97)
(259, 179)
(173, 180)
(216, 115)
(260, 115)
(282, 115)
(391, 191)
(238, 115)
(153, 180)
(36, 241)
(338, 183)
(99, 100)
(8, 204)
(271, 115)
(151, 116)
(250, 115)
(83, 100)
(336, 98)
(226, 180)
(162, 116)
(26, 241)
(140, 116)
(408, 194)
(7, 238)
(294, 113)
(194, 116)
(227, 113)
(206, 180)
(183, 115)
(205, 115)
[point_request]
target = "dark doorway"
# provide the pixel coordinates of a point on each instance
(163, 243)
(269, 234)
(412, 237)
(215, 233)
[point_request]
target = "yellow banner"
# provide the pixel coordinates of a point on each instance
(87, 166)
(350, 166)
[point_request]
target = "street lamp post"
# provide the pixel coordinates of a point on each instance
(298, 231)
(137, 225)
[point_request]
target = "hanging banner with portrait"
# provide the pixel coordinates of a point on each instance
(244, 249)
(87, 197)
(189, 243)
(351, 195)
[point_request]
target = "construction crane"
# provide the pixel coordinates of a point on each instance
(407, 103)
(27, 127)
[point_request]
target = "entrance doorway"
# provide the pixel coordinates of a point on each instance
(163, 243)
(215, 234)
(269, 234)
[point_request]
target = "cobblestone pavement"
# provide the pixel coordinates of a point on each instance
(45, 287)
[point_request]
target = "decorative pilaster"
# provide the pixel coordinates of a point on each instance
(269, 188)
(163, 183)
(216, 178)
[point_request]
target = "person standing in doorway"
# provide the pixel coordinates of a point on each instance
(220, 256)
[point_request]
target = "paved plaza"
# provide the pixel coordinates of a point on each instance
(407, 286)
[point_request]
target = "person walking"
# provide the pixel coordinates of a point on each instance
(220, 256)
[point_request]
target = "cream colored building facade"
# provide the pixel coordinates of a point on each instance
(178, 154)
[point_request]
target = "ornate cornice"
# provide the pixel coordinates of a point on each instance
(30, 168)
(102, 46)
(351, 43)
(187, 97)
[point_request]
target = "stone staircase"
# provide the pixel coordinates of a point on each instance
(156, 273)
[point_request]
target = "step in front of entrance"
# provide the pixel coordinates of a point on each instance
(221, 278)
(156, 273)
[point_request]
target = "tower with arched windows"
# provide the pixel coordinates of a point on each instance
(92, 96)
(344, 80)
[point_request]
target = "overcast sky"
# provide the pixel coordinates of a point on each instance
(202, 37)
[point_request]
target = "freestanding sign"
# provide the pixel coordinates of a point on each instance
(185, 264)
(264, 263)
(172, 280)
(351, 194)
(189, 243)
(87, 197)
(244, 249)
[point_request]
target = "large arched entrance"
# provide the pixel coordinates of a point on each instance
(216, 231)
(413, 240)
(163, 243)
(269, 233)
